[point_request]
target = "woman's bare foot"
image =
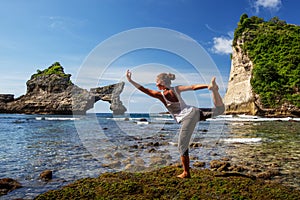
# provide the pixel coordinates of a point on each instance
(213, 85)
(184, 175)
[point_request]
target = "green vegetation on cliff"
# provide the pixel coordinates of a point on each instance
(55, 68)
(274, 48)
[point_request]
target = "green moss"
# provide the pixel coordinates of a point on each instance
(163, 184)
(55, 68)
(274, 48)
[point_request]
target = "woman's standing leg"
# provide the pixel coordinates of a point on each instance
(188, 125)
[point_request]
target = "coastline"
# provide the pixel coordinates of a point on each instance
(247, 146)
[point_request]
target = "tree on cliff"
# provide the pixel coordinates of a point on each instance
(274, 48)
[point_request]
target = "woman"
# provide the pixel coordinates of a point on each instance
(186, 115)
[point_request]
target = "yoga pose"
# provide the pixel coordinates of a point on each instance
(186, 115)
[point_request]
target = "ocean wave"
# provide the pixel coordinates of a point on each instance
(242, 140)
(250, 118)
(57, 118)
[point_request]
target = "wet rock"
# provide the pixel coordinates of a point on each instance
(195, 145)
(108, 156)
(115, 164)
(134, 168)
(199, 164)
(134, 146)
(156, 144)
(236, 168)
(118, 155)
(194, 158)
(139, 161)
(152, 150)
(164, 143)
(225, 159)
(7, 185)
(157, 161)
(46, 175)
(150, 144)
(255, 169)
(219, 165)
(167, 157)
(274, 165)
(268, 174)
(127, 161)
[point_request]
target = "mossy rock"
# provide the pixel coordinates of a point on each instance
(163, 184)
(55, 68)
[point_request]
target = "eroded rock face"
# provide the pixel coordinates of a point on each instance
(56, 94)
(240, 97)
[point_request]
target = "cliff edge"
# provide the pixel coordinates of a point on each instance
(51, 92)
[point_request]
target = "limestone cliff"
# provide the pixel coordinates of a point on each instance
(52, 92)
(265, 69)
(239, 97)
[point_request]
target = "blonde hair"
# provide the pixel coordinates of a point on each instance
(166, 77)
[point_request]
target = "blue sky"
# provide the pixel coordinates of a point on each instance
(36, 33)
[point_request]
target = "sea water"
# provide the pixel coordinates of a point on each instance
(75, 147)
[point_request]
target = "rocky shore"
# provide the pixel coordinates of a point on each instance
(249, 171)
(162, 183)
(219, 178)
(51, 92)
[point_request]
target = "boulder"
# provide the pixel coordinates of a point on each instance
(46, 175)
(7, 185)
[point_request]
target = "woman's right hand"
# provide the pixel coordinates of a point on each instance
(128, 75)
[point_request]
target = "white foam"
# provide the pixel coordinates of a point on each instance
(57, 118)
(173, 143)
(139, 122)
(242, 140)
(120, 118)
(162, 119)
(250, 118)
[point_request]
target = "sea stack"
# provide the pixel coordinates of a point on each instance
(265, 65)
(52, 92)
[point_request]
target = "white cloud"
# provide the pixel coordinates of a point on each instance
(222, 45)
(268, 4)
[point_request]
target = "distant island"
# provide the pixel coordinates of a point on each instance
(51, 91)
(265, 68)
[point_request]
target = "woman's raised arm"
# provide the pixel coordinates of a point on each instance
(152, 93)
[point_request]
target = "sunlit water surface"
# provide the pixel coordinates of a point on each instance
(78, 147)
